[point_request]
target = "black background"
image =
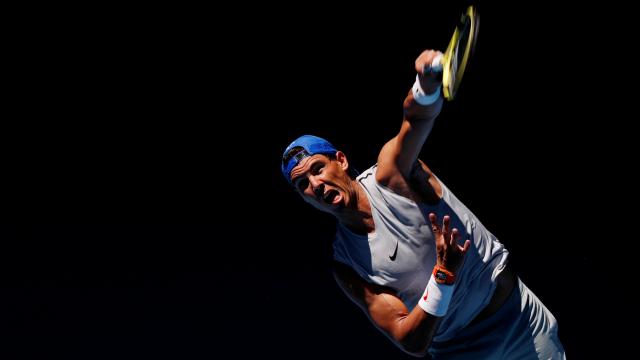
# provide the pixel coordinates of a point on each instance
(146, 215)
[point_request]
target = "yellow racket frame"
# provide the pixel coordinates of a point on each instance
(451, 81)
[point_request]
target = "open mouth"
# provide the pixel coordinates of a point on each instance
(330, 197)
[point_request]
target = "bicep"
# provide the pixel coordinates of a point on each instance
(410, 331)
(380, 304)
(399, 154)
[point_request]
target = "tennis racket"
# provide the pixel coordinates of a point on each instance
(454, 60)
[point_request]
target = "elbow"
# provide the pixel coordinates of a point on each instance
(413, 333)
(414, 349)
(415, 354)
(411, 344)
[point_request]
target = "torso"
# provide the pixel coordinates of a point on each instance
(424, 188)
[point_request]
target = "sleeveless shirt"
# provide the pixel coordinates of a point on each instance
(401, 252)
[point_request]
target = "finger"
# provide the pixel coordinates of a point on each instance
(434, 223)
(424, 60)
(463, 249)
(455, 235)
(446, 223)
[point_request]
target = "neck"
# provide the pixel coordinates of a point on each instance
(358, 217)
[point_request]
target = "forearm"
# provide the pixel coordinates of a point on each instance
(418, 328)
(421, 106)
(415, 331)
(416, 127)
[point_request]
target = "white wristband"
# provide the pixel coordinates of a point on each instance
(436, 298)
(420, 97)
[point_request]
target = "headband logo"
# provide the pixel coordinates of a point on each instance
(298, 153)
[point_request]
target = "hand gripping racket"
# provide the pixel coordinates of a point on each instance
(455, 58)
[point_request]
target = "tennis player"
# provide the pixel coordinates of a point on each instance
(420, 265)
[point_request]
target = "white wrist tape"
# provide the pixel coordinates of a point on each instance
(420, 97)
(436, 298)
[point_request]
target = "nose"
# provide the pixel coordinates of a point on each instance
(316, 186)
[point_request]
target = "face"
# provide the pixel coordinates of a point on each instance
(324, 183)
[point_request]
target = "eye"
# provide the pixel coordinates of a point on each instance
(303, 184)
(317, 168)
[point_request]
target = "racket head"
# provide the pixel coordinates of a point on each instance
(456, 57)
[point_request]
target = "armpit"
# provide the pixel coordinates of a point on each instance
(423, 184)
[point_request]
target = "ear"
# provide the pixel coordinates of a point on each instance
(341, 158)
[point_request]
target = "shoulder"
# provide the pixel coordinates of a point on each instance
(377, 175)
(368, 174)
(387, 169)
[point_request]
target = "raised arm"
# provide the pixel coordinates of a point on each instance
(398, 156)
(413, 330)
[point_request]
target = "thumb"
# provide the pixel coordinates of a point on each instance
(463, 249)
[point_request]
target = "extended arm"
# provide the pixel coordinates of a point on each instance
(399, 155)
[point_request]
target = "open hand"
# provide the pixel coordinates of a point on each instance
(450, 254)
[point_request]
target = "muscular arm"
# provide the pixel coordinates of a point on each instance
(399, 154)
(412, 331)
